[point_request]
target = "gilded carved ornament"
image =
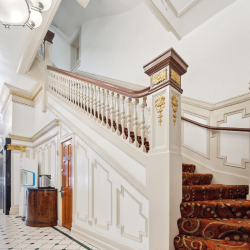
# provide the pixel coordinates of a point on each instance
(16, 147)
(175, 77)
(159, 104)
(175, 107)
(161, 76)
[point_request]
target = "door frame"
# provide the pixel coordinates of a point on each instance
(59, 176)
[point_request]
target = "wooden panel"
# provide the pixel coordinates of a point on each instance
(41, 207)
(67, 184)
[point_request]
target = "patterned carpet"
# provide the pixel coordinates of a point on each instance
(213, 216)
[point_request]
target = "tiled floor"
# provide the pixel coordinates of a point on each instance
(15, 235)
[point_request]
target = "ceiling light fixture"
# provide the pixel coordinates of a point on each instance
(22, 13)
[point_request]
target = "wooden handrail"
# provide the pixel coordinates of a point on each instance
(215, 128)
(115, 88)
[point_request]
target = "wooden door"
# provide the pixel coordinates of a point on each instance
(67, 179)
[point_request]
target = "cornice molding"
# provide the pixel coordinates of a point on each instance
(27, 97)
(40, 133)
(18, 95)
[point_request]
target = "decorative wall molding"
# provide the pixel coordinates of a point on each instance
(207, 155)
(224, 120)
(122, 227)
(27, 97)
(16, 147)
(215, 106)
(87, 216)
(179, 13)
(94, 217)
(40, 133)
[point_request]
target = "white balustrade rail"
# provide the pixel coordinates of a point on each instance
(125, 117)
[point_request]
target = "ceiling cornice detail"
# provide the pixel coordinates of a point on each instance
(40, 133)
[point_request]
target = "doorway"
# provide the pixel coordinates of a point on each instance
(67, 183)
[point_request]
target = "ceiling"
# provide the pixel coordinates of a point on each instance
(71, 15)
(11, 45)
(183, 16)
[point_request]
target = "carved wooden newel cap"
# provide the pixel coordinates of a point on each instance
(49, 36)
(166, 69)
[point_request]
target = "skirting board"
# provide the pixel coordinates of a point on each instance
(14, 210)
(98, 240)
(219, 177)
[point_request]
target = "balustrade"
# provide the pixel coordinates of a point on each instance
(105, 107)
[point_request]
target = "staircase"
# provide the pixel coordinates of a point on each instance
(213, 216)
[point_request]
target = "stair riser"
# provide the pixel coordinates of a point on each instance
(212, 229)
(196, 193)
(194, 243)
(196, 179)
(189, 168)
(220, 210)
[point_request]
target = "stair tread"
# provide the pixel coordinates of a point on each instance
(225, 229)
(196, 179)
(184, 242)
(190, 168)
(213, 192)
(224, 208)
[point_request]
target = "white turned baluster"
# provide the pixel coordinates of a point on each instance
(123, 116)
(117, 113)
(142, 106)
(64, 86)
(135, 122)
(95, 102)
(84, 97)
(128, 100)
(98, 104)
(112, 111)
(75, 92)
(78, 94)
(70, 91)
(81, 95)
(148, 137)
(87, 98)
(102, 107)
(107, 108)
(68, 88)
(91, 100)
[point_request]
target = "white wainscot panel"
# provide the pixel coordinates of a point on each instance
(102, 196)
(130, 218)
(192, 132)
(46, 160)
(234, 146)
(82, 183)
(52, 161)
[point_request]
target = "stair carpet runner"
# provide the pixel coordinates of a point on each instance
(213, 216)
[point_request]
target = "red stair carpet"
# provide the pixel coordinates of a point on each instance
(213, 216)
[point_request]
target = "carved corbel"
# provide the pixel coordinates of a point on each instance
(16, 147)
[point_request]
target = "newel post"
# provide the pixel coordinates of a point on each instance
(165, 159)
(47, 42)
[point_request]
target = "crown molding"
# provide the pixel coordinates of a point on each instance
(18, 95)
(40, 133)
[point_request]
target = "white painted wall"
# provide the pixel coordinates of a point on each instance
(217, 52)
(105, 202)
(60, 49)
(27, 120)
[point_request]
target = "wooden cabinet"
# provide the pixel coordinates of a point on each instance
(41, 207)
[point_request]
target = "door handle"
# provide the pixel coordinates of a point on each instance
(62, 192)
